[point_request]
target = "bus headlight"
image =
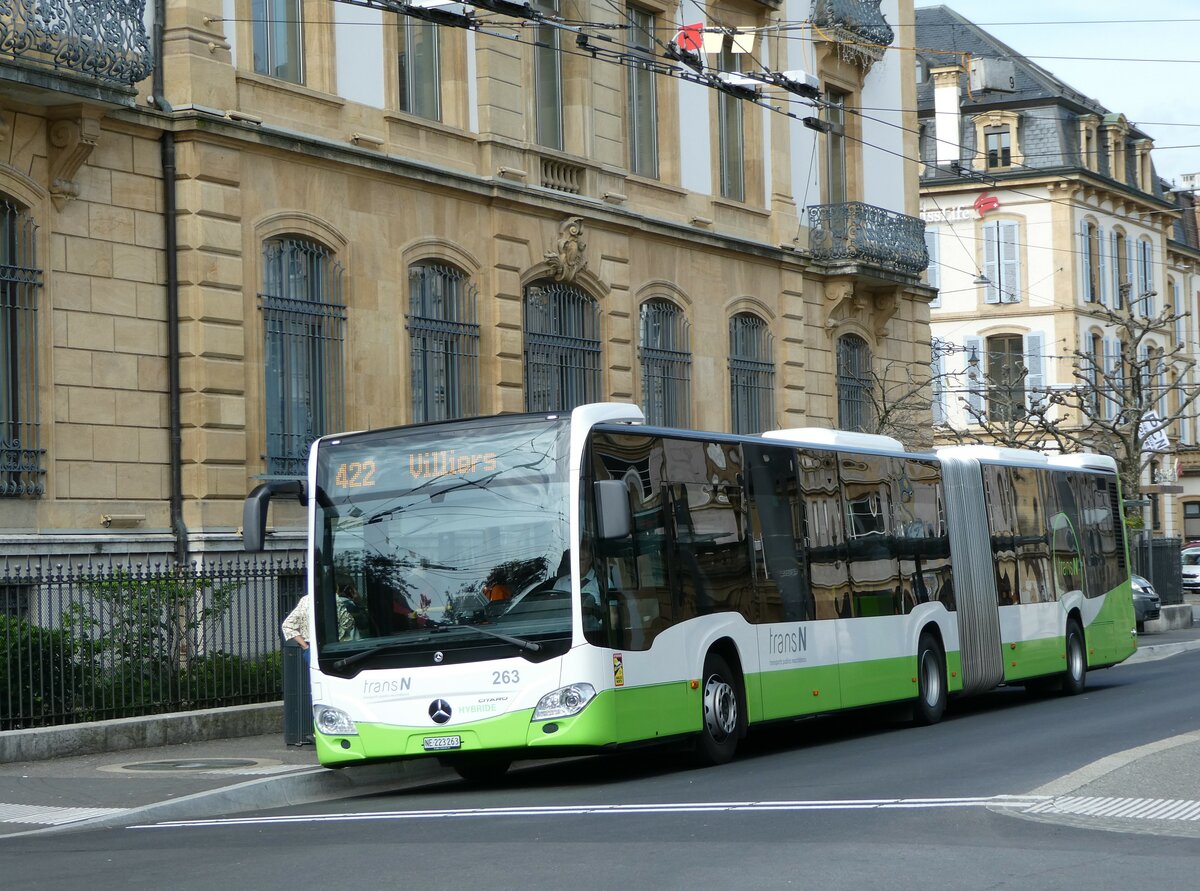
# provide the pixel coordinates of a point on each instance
(333, 721)
(564, 702)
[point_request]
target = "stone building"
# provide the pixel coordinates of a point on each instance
(1042, 211)
(317, 216)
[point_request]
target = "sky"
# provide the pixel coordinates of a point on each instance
(1157, 95)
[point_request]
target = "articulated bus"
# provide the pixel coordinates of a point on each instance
(528, 585)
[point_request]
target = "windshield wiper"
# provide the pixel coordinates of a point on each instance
(371, 651)
(518, 642)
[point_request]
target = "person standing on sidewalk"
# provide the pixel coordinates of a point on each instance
(296, 626)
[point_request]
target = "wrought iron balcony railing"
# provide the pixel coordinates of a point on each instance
(862, 233)
(853, 20)
(860, 18)
(101, 39)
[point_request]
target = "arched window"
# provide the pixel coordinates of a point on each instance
(21, 455)
(444, 343)
(562, 347)
(303, 317)
(854, 384)
(751, 374)
(666, 364)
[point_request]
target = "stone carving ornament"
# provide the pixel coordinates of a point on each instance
(569, 256)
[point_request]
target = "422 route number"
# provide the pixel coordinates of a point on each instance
(355, 475)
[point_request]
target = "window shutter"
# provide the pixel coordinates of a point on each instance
(975, 384)
(1112, 375)
(1103, 279)
(1131, 271)
(1085, 263)
(1116, 270)
(933, 271)
(1035, 375)
(1148, 276)
(937, 383)
(991, 268)
(1010, 260)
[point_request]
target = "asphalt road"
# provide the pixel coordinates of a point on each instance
(861, 801)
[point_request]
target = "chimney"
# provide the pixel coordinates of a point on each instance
(947, 125)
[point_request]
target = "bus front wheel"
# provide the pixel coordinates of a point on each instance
(931, 681)
(722, 713)
(1075, 676)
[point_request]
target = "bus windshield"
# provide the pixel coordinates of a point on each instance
(447, 538)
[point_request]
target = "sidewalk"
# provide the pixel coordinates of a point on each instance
(206, 778)
(218, 777)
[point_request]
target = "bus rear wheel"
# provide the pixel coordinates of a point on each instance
(1075, 677)
(931, 681)
(722, 713)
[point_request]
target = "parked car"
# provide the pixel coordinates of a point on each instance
(1146, 604)
(1191, 570)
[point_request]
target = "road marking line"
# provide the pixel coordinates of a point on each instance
(997, 801)
(1090, 806)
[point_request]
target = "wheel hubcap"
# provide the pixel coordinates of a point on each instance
(931, 679)
(720, 708)
(1075, 654)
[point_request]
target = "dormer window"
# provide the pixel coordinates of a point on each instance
(998, 141)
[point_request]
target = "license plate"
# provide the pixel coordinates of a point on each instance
(438, 743)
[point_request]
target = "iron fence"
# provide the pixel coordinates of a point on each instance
(85, 643)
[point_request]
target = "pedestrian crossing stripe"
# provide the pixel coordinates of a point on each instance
(44, 815)
(1123, 808)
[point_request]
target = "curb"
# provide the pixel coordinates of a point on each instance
(145, 732)
(1154, 652)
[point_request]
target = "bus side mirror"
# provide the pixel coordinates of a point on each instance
(254, 511)
(613, 517)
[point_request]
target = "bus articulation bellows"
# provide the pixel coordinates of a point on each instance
(524, 585)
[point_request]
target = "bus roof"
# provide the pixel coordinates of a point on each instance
(838, 439)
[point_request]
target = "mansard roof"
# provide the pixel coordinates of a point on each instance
(943, 35)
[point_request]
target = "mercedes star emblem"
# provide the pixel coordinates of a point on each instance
(438, 657)
(439, 710)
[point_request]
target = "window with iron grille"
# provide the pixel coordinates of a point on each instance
(562, 347)
(444, 342)
(21, 456)
(854, 384)
(751, 374)
(666, 364)
(303, 317)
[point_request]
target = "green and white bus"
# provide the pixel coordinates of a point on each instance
(528, 585)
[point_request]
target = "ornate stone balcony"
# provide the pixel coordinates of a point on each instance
(857, 233)
(98, 47)
(856, 26)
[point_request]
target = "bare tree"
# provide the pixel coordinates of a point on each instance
(901, 397)
(1118, 403)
